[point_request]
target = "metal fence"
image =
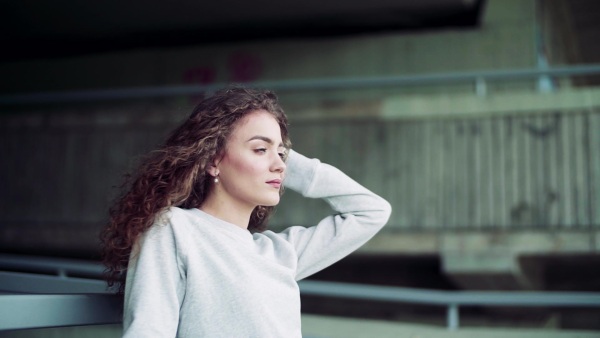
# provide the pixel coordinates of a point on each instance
(479, 80)
(38, 292)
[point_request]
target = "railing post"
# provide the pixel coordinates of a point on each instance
(453, 317)
(480, 86)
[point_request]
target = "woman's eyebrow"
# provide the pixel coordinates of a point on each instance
(263, 138)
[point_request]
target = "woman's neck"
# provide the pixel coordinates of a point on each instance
(227, 211)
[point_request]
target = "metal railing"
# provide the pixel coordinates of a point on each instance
(479, 79)
(452, 300)
(45, 294)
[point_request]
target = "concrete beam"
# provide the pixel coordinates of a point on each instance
(491, 270)
(489, 260)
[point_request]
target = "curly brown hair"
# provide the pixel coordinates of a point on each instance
(175, 174)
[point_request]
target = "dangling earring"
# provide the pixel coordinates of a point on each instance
(216, 179)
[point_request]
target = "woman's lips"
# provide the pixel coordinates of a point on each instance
(275, 183)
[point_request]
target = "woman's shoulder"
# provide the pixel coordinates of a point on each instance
(178, 213)
(187, 221)
(173, 225)
(174, 217)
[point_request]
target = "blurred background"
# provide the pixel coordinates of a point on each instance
(479, 120)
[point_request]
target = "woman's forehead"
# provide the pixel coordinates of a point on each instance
(257, 123)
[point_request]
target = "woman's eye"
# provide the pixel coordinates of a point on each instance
(261, 150)
(282, 155)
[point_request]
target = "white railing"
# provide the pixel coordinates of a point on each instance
(44, 292)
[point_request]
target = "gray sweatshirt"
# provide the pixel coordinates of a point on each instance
(198, 276)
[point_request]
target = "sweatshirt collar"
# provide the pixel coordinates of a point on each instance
(222, 225)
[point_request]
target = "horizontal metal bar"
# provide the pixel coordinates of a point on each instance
(36, 311)
(50, 265)
(458, 298)
(36, 283)
(371, 292)
(300, 85)
(28, 265)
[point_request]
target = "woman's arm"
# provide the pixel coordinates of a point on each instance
(155, 286)
(359, 214)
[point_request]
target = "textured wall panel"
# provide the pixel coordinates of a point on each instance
(517, 171)
(529, 171)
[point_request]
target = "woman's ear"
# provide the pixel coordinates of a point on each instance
(212, 170)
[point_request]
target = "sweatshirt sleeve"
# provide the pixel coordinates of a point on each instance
(155, 285)
(358, 214)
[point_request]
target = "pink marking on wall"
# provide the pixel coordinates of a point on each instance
(244, 67)
(199, 76)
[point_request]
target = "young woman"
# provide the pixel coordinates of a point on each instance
(189, 234)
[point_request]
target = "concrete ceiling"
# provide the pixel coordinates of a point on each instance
(34, 28)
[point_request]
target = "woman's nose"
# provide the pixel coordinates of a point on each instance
(279, 164)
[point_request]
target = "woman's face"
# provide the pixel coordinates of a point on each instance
(251, 169)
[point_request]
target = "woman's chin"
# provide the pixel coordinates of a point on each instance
(271, 202)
